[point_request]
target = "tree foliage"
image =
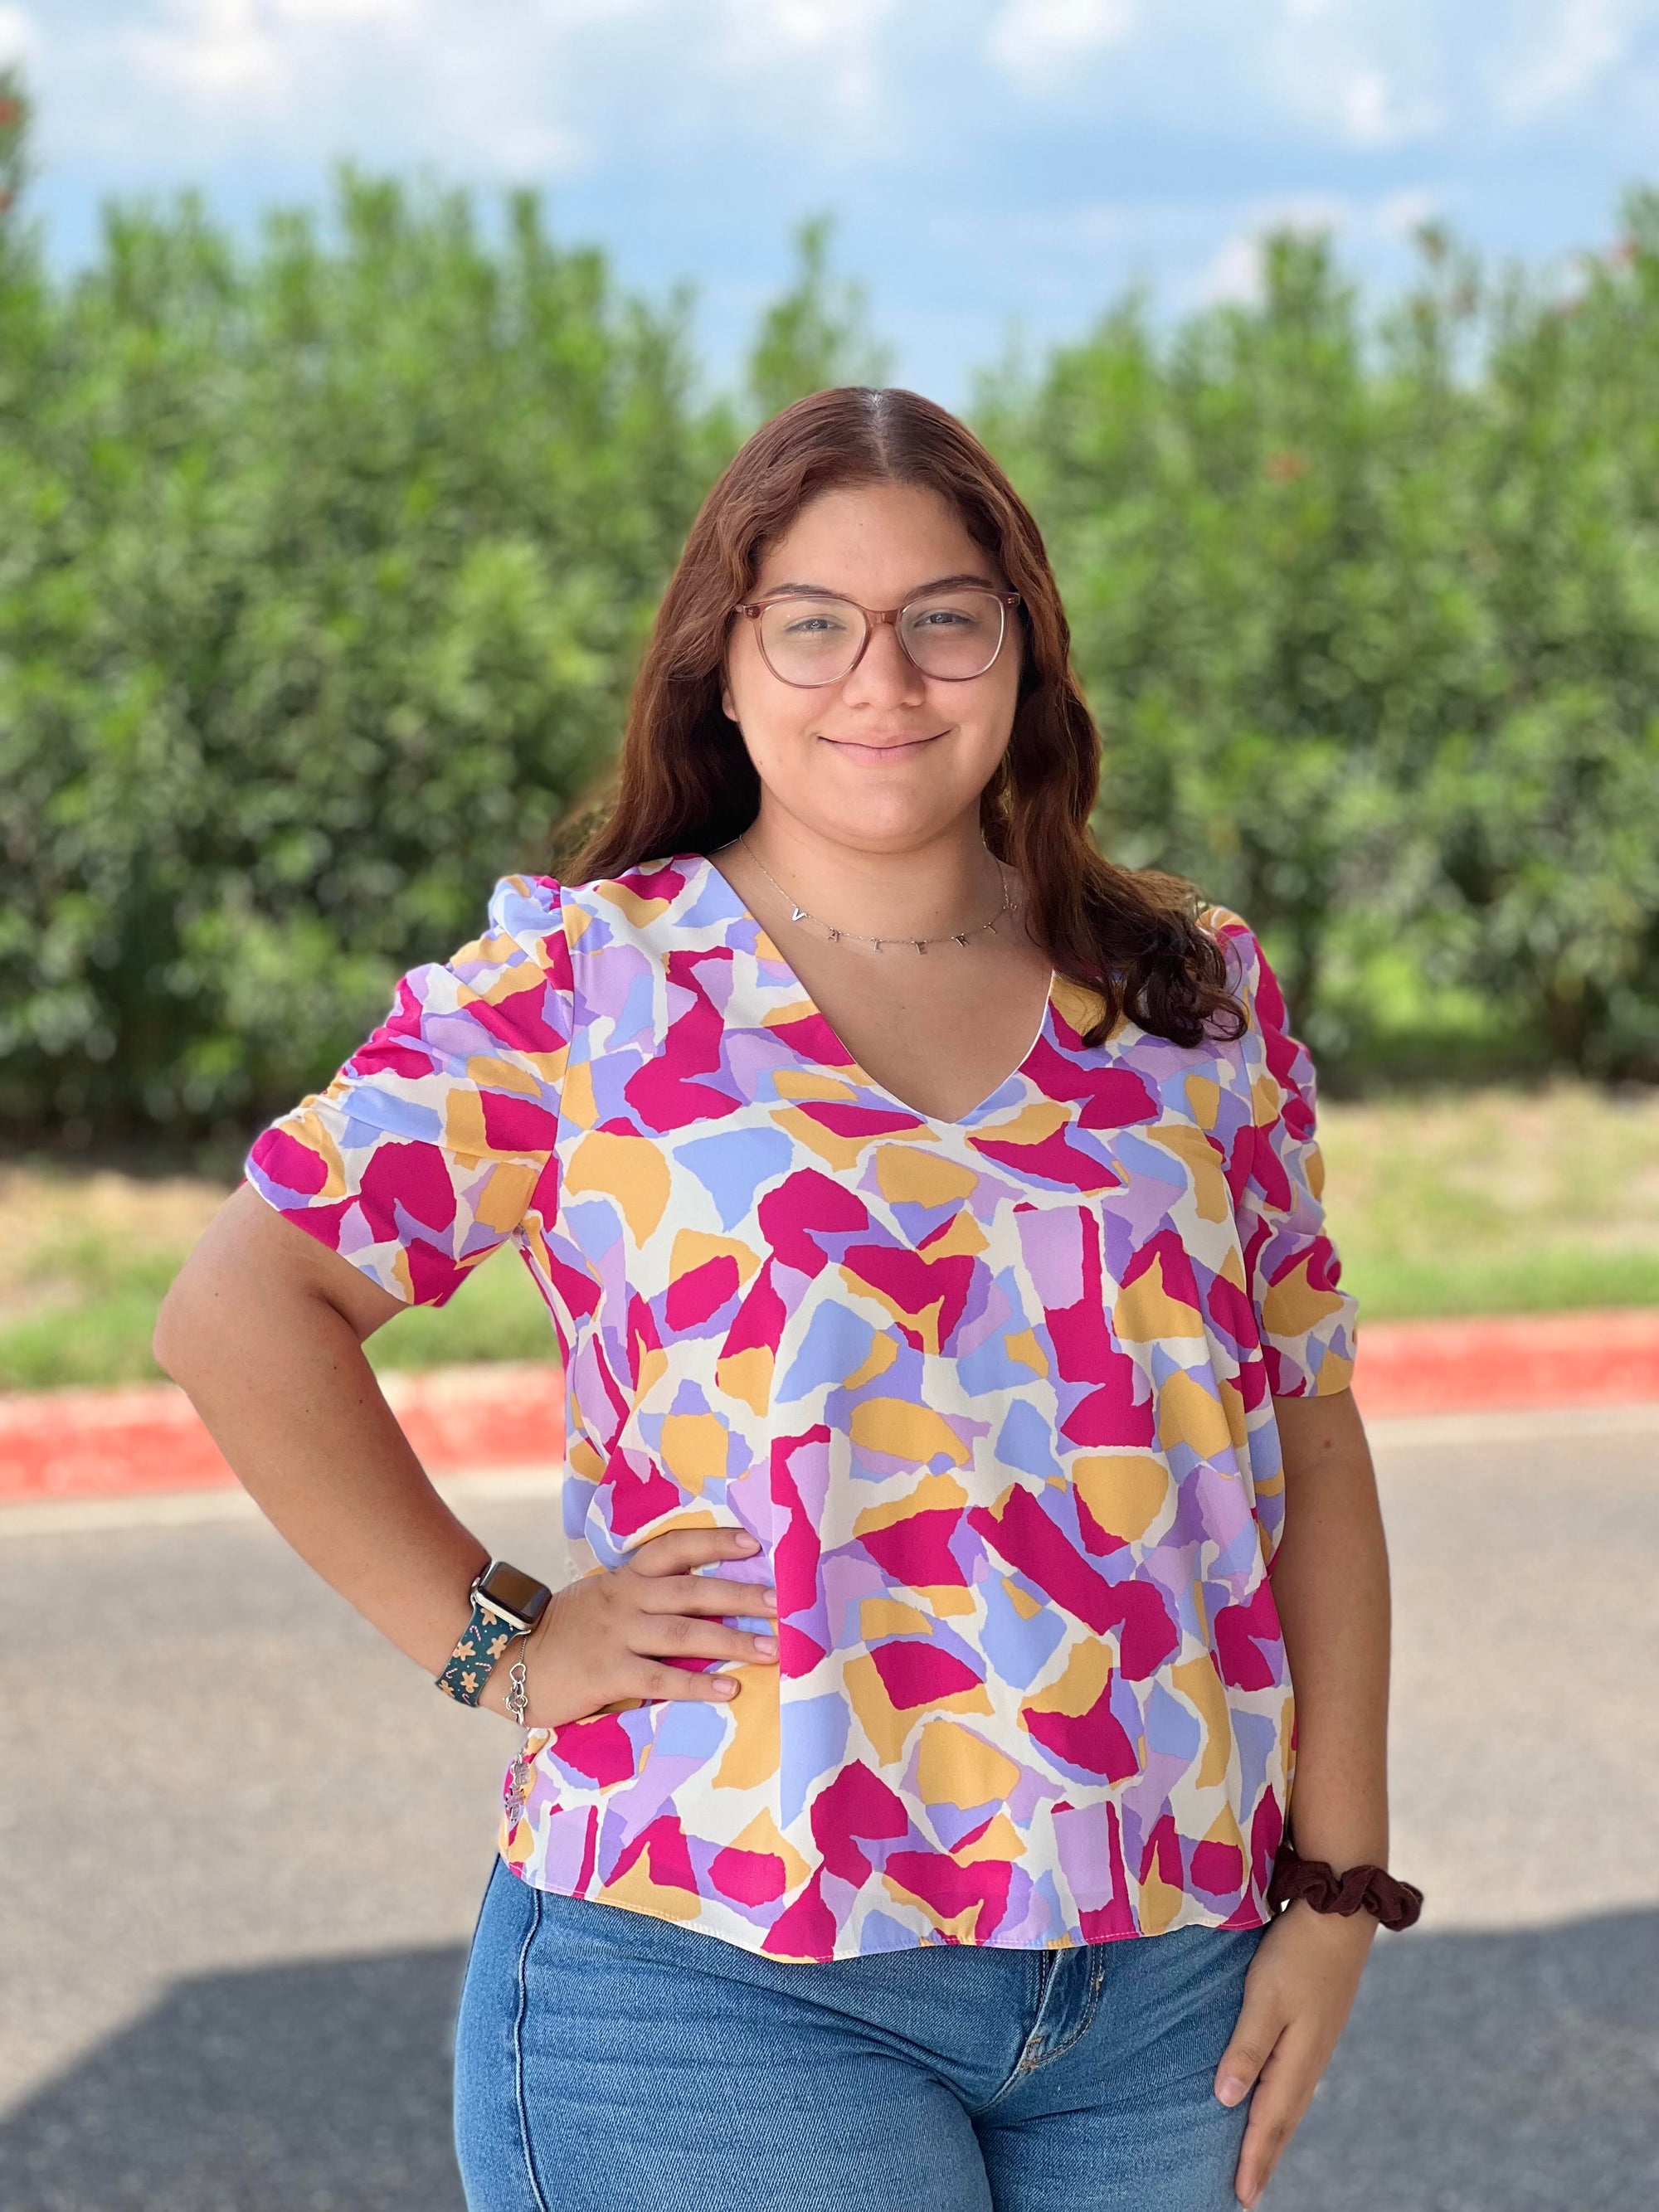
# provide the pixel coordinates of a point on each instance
(325, 562)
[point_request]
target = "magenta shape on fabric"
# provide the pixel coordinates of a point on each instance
(1104, 1923)
(1218, 1868)
(750, 1877)
(1107, 1097)
(434, 1276)
(796, 1552)
(915, 1282)
(812, 1036)
(637, 1497)
(913, 1672)
(1055, 1160)
(410, 1175)
(805, 1929)
(855, 1804)
(521, 1022)
(1025, 1536)
(1248, 1641)
(599, 1747)
(1267, 1831)
(951, 1889)
(1118, 1412)
(386, 1054)
(843, 1119)
(1162, 1849)
(518, 1125)
(667, 1857)
(1102, 1543)
(758, 1322)
(1165, 1247)
(1094, 1741)
(801, 1209)
(1230, 1312)
(693, 1297)
(917, 1551)
(289, 1165)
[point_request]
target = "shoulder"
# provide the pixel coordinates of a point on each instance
(1250, 976)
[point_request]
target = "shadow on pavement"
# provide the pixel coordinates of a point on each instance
(1489, 2073)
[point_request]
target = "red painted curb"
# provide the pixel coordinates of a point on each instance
(117, 1443)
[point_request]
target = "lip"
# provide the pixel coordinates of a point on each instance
(884, 749)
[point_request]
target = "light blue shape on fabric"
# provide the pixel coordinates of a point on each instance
(688, 1728)
(988, 1367)
(639, 1008)
(733, 1167)
(1018, 1649)
(814, 1741)
(836, 1344)
(1172, 1727)
(371, 1114)
(1026, 1440)
(882, 1933)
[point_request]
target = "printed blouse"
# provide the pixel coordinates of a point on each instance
(995, 1395)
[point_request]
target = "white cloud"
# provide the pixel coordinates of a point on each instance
(1583, 43)
(837, 40)
(1036, 39)
(20, 41)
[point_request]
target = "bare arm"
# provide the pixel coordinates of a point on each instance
(1330, 1582)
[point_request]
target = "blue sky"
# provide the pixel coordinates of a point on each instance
(990, 162)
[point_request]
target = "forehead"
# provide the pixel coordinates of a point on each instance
(874, 542)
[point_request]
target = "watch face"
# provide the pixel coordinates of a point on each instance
(514, 1592)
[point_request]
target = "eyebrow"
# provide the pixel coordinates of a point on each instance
(824, 591)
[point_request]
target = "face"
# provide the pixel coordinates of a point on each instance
(888, 758)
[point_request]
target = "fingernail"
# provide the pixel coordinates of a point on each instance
(1230, 2090)
(726, 1685)
(746, 1542)
(766, 1646)
(771, 1597)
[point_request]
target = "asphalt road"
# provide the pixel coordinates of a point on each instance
(239, 1867)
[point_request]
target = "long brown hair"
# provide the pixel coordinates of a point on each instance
(685, 783)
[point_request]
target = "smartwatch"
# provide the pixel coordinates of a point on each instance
(507, 1603)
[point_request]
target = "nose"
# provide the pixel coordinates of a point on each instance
(886, 676)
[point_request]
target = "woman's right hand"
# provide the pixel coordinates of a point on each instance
(606, 1636)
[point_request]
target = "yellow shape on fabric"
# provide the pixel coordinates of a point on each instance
(748, 1376)
(1021, 1599)
(1197, 1680)
(1160, 1902)
(464, 1125)
(907, 1177)
(797, 1010)
(1188, 1415)
(1002, 1840)
(1238, 1419)
(888, 1728)
(1080, 1684)
(904, 1430)
(883, 1350)
(695, 1247)
(1077, 1005)
(954, 1767)
(1212, 1201)
(585, 1458)
(651, 1366)
(957, 1926)
(751, 1752)
(1204, 1103)
(836, 1152)
(763, 1834)
(638, 910)
(934, 1493)
(1024, 1347)
(307, 1127)
(890, 1616)
(577, 922)
(1335, 1373)
(505, 1198)
(637, 1892)
(963, 1240)
(486, 1073)
(947, 1598)
(1032, 1124)
(576, 1100)
(1147, 1312)
(923, 1319)
(1292, 1306)
(694, 1448)
(814, 1083)
(631, 1169)
(1223, 1829)
(1124, 1491)
(516, 1845)
(1266, 1101)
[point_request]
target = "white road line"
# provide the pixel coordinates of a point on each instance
(59, 1517)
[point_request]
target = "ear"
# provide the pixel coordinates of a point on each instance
(728, 704)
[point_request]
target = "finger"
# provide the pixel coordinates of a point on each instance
(1282, 2095)
(682, 1549)
(706, 1593)
(1261, 2022)
(656, 1679)
(672, 1635)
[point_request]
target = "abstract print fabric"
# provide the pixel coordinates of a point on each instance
(994, 1395)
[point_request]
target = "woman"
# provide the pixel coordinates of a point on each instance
(928, 1213)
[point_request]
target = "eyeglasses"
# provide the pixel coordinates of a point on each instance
(811, 638)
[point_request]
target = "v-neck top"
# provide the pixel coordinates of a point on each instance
(994, 1394)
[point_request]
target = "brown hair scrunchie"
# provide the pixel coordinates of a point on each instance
(1372, 1889)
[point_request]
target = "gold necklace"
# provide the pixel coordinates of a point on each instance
(799, 914)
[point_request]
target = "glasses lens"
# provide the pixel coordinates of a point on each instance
(810, 641)
(953, 634)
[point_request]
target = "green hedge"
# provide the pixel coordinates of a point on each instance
(325, 563)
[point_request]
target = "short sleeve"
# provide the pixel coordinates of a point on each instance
(1306, 1321)
(437, 1136)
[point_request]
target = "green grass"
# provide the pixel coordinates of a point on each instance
(1489, 1200)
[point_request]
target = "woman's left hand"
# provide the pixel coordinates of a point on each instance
(1298, 1995)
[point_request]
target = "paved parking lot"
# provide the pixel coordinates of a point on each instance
(244, 1843)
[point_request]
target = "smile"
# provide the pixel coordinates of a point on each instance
(904, 750)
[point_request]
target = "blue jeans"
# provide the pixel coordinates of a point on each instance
(609, 2062)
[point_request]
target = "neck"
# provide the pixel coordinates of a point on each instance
(928, 888)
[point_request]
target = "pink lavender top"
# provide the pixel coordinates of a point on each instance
(994, 1394)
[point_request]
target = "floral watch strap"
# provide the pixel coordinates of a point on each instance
(482, 1641)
